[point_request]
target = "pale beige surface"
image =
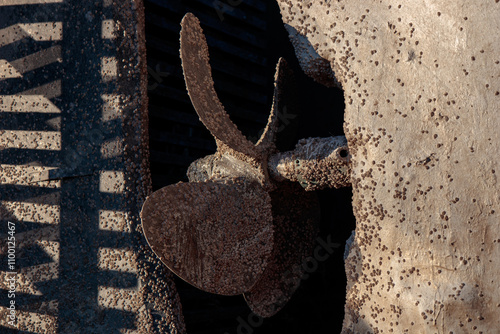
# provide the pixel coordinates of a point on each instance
(421, 82)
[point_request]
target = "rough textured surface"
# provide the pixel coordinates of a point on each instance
(216, 232)
(296, 216)
(421, 83)
(200, 86)
(231, 143)
(74, 171)
(316, 163)
(311, 62)
(216, 236)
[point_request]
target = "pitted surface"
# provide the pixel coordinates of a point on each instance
(216, 236)
(295, 221)
(316, 163)
(421, 85)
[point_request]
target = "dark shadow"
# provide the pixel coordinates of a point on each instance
(58, 229)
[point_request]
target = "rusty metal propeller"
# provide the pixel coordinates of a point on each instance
(241, 226)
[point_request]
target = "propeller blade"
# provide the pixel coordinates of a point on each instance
(284, 102)
(216, 236)
(200, 86)
(296, 219)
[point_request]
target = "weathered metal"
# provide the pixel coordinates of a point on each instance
(238, 226)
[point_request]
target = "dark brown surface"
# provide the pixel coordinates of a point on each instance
(200, 86)
(296, 219)
(243, 58)
(266, 141)
(216, 236)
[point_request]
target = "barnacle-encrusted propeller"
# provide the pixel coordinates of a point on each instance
(200, 86)
(241, 226)
(215, 235)
(296, 215)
